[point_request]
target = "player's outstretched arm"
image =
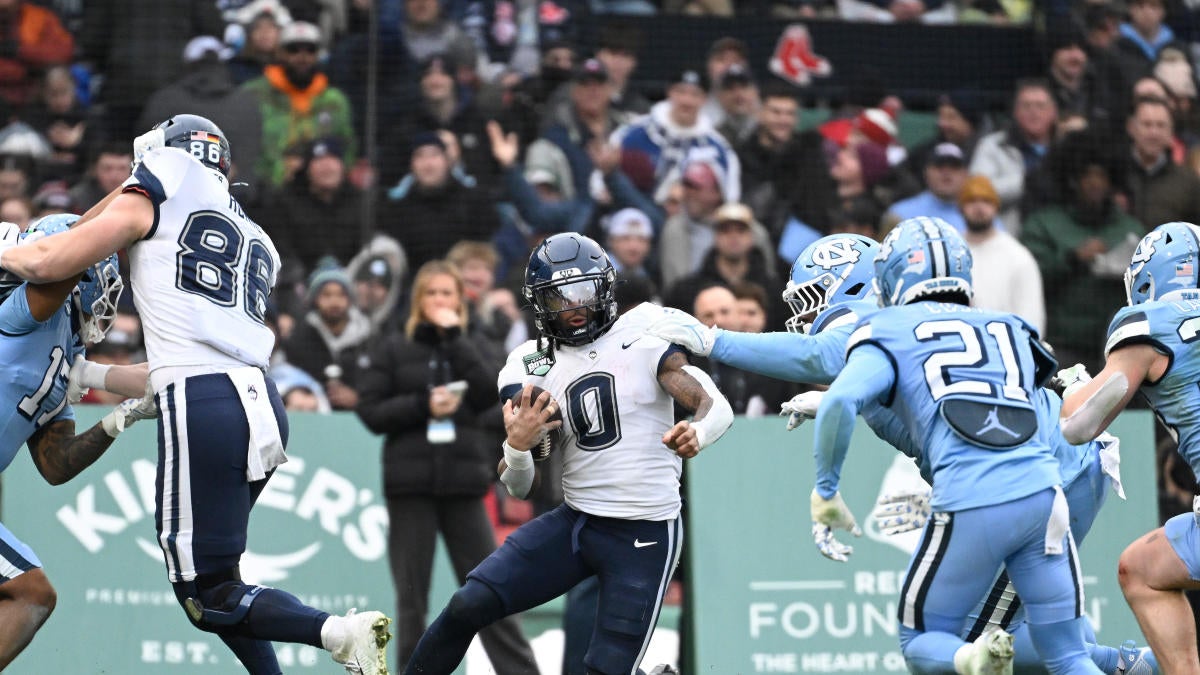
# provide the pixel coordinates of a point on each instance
(1087, 410)
(867, 377)
(127, 218)
(60, 455)
(126, 380)
(693, 389)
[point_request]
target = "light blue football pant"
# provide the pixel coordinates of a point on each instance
(943, 584)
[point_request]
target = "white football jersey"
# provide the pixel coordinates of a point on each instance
(202, 275)
(615, 413)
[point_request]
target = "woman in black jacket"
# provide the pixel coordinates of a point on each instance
(439, 457)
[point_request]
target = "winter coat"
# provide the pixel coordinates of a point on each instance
(394, 401)
(428, 221)
(312, 348)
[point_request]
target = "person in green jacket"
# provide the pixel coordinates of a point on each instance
(1082, 245)
(298, 104)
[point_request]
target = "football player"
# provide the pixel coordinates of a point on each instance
(1151, 349)
(963, 383)
(201, 273)
(830, 290)
(43, 328)
(622, 462)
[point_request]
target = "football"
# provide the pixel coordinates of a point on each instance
(548, 439)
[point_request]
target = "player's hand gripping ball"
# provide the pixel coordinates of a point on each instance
(549, 436)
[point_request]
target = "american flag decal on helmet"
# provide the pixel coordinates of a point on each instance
(205, 136)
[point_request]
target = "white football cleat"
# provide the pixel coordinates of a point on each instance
(364, 650)
(990, 654)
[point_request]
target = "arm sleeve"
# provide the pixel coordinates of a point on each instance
(868, 376)
(815, 359)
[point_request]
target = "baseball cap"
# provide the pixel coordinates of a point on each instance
(629, 222)
(591, 70)
(300, 32)
(947, 153)
(537, 175)
(733, 212)
(375, 269)
(736, 74)
(199, 47)
(326, 146)
(689, 76)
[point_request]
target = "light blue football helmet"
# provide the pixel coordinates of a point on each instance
(1164, 266)
(95, 297)
(831, 270)
(922, 256)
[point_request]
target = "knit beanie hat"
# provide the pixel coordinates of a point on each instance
(978, 187)
(328, 271)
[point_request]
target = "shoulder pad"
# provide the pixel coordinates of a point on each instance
(1128, 324)
(839, 315)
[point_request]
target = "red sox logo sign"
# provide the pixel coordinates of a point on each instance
(794, 59)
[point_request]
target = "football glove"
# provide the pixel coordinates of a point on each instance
(1071, 379)
(828, 515)
(801, 408)
(686, 331)
(902, 511)
(129, 411)
(147, 143)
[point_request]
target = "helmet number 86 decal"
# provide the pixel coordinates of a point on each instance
(205, 151)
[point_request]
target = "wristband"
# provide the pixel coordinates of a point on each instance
(92, 375)
(517, 460)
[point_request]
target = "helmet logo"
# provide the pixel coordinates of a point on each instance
(566, 273)
(835, 254)
(1145, 251)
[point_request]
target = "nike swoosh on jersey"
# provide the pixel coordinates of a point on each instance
(625, 345)
(643, 544)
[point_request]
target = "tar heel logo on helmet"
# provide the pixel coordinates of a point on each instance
(1145, 251)
(836, 253)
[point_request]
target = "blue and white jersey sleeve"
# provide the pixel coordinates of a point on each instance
(159, 177)
(1131, 326)
(867, 378)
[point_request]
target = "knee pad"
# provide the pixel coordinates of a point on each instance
(215, 602)
(475, 606)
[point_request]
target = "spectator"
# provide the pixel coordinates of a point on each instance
(1142, 37)
(688, 235)
(723, 54)
(749, 394)
(629, 239)
(618, 51)
(132, 43)
(494, 311)
(675, 134)
(31, 40)
(15, 175)
(297, 102)
(531, 100)
(427, 33)
(857, 171)
(261, 45)
(860, 215)
(1007, 156)
(896, 11)
(945, 174)
(53, 197)
(110, 168)
(17, 210)
(442, 104)
(960, 117)
(1082, 248)
(1175, 72)
(1077, 88)
(740, 252)
(430, 210)
(1159, 190)
(1102, 24)
(206, 88)
(783, 170)
(737, 96)
(378, 271)
(438, 456)
(750, 302)
(57, 115)
(1005, 276)
(330, 340)
(319, 212)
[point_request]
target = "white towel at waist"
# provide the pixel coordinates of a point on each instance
(265, 451)
(1058, 524)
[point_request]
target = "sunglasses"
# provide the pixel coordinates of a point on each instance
(300, 47)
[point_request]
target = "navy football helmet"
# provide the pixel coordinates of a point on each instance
(200, 138)
(568, 272)
(1165, 265)
(94, 298)
(831, 270)
(922, 256)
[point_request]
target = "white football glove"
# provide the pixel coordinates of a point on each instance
(75, 389)
(902, 511)
(146, 143)
(686, 331)
(129, 411)
(10, 236)
(828, 515)
(801, 408)
(1071, 379)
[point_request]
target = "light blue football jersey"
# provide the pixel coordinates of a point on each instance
(36, 360)
(965, 387)
(1172, 328)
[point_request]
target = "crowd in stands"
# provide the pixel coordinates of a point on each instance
(463, 132)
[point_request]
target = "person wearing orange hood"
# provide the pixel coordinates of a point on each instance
(298, 103)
